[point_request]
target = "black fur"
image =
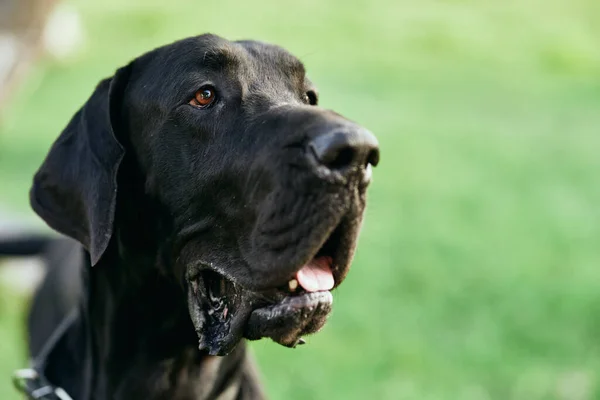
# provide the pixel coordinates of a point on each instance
(194, 220)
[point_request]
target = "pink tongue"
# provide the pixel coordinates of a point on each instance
(316, 275)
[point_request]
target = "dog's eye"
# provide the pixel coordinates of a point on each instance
(310, 97)
(204, 97)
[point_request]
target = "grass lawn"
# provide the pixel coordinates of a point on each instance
(478, 271)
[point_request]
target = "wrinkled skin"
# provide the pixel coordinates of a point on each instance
(246, 201)
(218, 207)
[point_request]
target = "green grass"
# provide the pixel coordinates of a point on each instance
(478, 271)
(12, 339)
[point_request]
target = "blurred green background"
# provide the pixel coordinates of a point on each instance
(478, 270)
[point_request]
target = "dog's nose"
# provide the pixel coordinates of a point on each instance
(341, 150)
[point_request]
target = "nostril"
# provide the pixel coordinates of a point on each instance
(333, 151)
(373, 158)
(343, 158)
(333, 155)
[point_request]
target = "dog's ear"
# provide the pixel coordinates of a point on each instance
(75, 189)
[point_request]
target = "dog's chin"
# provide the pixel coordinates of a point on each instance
(224, 311)
(292, 318)
(223, 318)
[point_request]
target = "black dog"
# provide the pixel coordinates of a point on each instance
(215, 202)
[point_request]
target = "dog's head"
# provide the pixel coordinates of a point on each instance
(258, 192)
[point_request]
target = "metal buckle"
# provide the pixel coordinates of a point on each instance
(29, 382)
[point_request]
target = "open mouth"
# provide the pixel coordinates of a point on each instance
(322, 272)
(314, 276)
(223, 311)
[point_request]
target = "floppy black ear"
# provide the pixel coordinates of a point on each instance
(75, 189)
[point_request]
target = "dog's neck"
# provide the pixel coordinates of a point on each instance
(144, 343)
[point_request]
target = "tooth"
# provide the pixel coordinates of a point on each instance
(293, 284)
(368, 173)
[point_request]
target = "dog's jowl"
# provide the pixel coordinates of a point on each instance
(213, 202)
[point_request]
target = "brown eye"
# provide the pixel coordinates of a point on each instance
(204, 97)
